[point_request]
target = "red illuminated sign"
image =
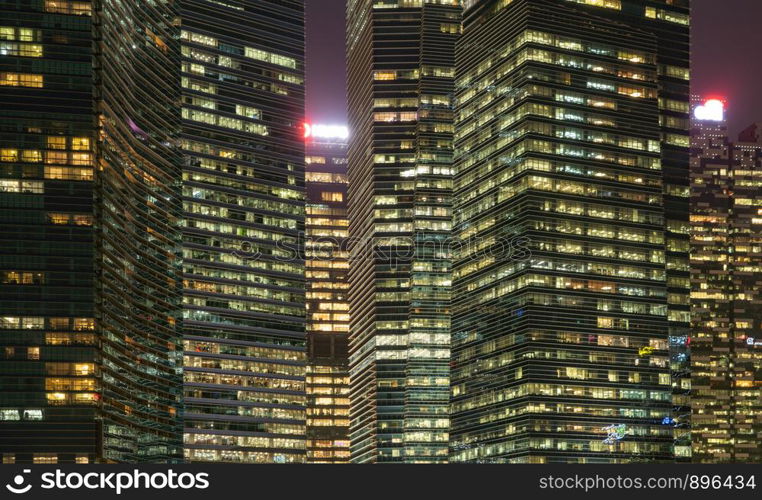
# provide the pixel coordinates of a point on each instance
(318, 131)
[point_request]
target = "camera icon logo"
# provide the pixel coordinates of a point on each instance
(18, 484)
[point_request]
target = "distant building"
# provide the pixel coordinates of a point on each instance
(726, 264)
(327, 268)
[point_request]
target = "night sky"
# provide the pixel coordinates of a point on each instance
(326, 69)
(726, 37)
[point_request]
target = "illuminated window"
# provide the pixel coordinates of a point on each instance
(16, 186)
(84, 369)
(384, 75)
(198, 38)
(83, 220)
(32, 323)
(21, 278)
(450, 28)
(198, 86)
(201, 102)
(330, 196)
(58, 218)
(81, 159)
(405, 116)
(57, 398)
(9, 155)
(20, 34)
(33, 415)
(683, 141)
(576, 373)
(609, 4)
(56, 142)
(272, 58)
(310, 160)
(68, 7)
(45, 458)
(81, 324)
(59, 323)
(69, 173)
(84, 398)
(69, 338)
(436, 71)
(672, 105)
(223, 121)
(21, 80)
(197, 68)
(30, 50)
(79, 220)
(20, 49)
(56, 157)
(247, 111)
(675, 72)
(80, 143)
(665, 15)
(9, 414)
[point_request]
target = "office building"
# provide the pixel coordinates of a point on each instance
(400, 57)
(726, 264)
(327, 266)
(571, 182)
(243, 198)
(89, 265)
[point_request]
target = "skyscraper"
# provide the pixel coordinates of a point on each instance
(571, 211)
(327, 267)
(400, 75)
(91, 366)
(669, 21)
(726, 263)
(138, 214)
(243, 196)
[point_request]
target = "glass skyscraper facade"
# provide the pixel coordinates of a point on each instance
(669, 21)
(47, 305)
(545, 258)
(243, 197)
(726, 260)
(138, 213)
(400, 69)
(570, 177)
(90, 182)
(327, 267)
